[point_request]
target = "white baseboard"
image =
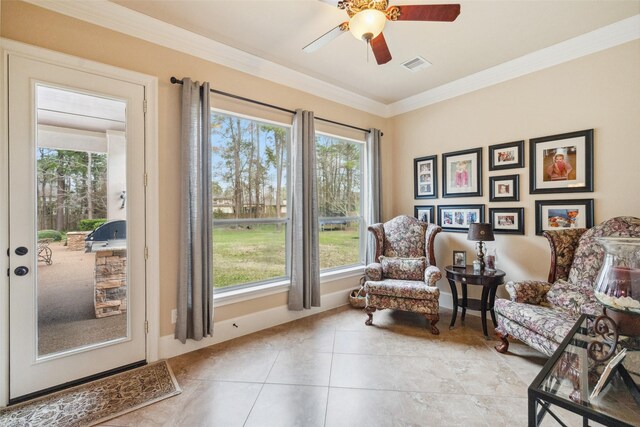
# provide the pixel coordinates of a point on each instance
(244, 325)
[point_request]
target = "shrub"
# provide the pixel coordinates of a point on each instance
(54, 235)
(90, 224)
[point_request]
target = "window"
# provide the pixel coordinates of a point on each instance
(340, 180)
(249, 197)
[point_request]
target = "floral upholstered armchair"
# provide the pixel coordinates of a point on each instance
(540, 313)
(404, 275)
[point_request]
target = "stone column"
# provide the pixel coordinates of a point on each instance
(75, 240)
(110, 281)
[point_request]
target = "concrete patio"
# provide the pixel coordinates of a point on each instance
(66, 314)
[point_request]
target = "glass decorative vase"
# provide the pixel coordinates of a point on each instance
(617, 287)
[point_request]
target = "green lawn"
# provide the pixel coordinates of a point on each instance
(242, 255)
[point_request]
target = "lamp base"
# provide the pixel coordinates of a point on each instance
(480, 254)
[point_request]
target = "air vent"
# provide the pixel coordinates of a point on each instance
(415, 64)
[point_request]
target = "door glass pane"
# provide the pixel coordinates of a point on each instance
(81, 220)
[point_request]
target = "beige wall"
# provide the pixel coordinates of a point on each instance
(600, 91)
(29, 24)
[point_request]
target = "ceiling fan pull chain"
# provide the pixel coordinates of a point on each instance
(368, 43)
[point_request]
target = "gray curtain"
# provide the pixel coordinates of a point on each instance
(195, 289)
(374, 209)
(305, 248)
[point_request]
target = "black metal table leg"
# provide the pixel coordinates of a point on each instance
(492, 300)
(454, 295)
(483, 309)
(463, 285)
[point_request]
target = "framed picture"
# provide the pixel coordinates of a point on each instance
(506, 156)
(504, 188)
(507, 220)
(458, 217)
(425, 177)
(562, 163)
(562, 214)
(460, 259)
(424, 213)
(462, 173)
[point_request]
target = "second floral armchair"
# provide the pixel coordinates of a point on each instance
(404, 275)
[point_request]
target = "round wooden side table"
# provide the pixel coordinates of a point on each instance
(489, 280)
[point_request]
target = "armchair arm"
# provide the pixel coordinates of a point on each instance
(528, 291)
(431, 275)
(373, 271)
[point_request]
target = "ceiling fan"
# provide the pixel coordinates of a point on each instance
(368, 17)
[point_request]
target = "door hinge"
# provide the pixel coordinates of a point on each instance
(146, 179)
(146, 253)
(144, 105)
(146, 326)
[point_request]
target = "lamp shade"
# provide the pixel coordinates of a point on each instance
(367, 24)
(480, 232)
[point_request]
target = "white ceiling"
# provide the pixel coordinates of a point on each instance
(486, 34)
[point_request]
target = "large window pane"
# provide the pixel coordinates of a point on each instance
(249, 253)
(249, 182)
(339, 164)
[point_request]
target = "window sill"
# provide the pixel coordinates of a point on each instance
(258, 291)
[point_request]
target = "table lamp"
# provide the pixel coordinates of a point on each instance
(480, 232)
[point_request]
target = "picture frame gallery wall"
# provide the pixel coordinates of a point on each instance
(559, 163)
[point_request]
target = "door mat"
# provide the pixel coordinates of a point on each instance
(95, 402)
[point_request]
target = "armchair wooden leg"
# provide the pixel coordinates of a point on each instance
(369, 311)
(433, 319)
(503, 347)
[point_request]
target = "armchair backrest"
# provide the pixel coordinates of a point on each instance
(577, 257)
(589, 255)
(563, 245)
(406, 237)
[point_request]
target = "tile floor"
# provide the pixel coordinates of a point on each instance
(331, 370)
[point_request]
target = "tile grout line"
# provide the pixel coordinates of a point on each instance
(261, 388)
(326, 408)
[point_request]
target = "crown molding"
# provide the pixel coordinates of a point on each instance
(603, 38)
(118, 18)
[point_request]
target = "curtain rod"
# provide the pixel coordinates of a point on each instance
(264, 104)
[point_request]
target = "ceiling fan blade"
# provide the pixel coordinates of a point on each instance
(425, 12)
(380, 49)
(326, 38)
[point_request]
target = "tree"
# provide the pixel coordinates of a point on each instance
(276, 156)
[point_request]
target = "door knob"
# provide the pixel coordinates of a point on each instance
(21, 250)
(21, 271)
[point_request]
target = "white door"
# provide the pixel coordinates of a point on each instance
(76, 156)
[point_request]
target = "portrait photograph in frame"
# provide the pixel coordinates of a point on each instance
(561, 163)
(509, 155)
(462, 173)
(562, 214)
(459, 259)
(505, 188)
(425, 177)
(457, 218)
(507, 220)
(424, 213)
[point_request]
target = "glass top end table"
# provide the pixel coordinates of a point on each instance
(568, 378)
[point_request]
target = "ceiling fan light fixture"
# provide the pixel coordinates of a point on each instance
(367, 24)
